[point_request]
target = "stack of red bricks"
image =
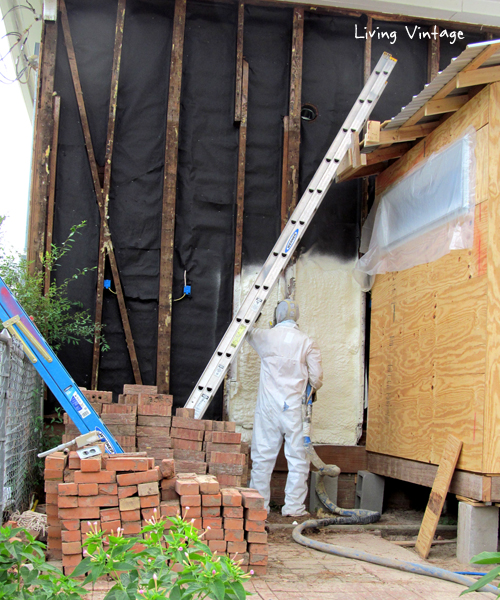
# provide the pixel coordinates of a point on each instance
(233, 519)
(126, 490)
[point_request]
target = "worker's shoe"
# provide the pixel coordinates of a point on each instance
(304, 514)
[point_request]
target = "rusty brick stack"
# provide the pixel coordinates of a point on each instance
(121, 420)
(153, 425)
(126, 490)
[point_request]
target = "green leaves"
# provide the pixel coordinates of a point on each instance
(485, 558)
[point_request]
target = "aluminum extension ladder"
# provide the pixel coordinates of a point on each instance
(249, 311)
(51, 370)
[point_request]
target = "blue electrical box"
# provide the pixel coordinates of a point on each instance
(187, 290)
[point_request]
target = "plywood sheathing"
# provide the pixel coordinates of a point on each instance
(428, 353)
(169, 201)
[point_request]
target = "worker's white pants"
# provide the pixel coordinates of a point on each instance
(271, 424)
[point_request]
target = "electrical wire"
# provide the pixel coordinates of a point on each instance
(185, 283)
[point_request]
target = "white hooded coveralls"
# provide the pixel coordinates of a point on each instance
(289, 359)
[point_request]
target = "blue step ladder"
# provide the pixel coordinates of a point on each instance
(51, 370)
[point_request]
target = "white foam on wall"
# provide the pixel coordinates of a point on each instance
(331, 312)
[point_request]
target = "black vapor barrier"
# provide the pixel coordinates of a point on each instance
(207, 163)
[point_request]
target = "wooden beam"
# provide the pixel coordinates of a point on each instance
(239, 63)
(294, 110)
(451, 85)
(463, 483)
(108, 245)
(52, 187)
(446, 105)
(369, 164)
(478, 77)
(372, 132)
(42, 146)
(433, 53)
(437, 497)
(104, 235)
(367, 65)
(284, 175)
(403, 134)
(240, 189)
(169, 200)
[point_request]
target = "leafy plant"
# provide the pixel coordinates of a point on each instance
(170, 562)
(59, 319)
(485, 558)
(25, 574)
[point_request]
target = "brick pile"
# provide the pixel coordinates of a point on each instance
(125, 490)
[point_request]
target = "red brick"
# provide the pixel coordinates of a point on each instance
(191, 512)
(153, 421)
(86, 526)
(167, 468)
(150, 501)
(194, 455)
(184, 413)
(208, 484)
(168, 484)
(53, 474)
(121, 409)
(233, 512)
(52, 510)
(210, 511)
(157, 404)
(257, 560)
(54, 543)
(53, 521)
(130, 503)
(88, 489)
(234, 535)
(217, 426)
(141, 477)
(70, 525)
(72, 548)
(90, 513)
(71, 560)
(130, 515)
(186, 444)
(258, 549)
(191, 500)
(187, 487)
(193, 424)
(211, 500)
(67, 489)
(187, 434)
(98, 396)
(227, 458)
(256, 537)
(208, 425)
(108, 489)
(167, 495)
(169, 509)
(230, 497)
(73, 460)
(51, 498)
(67, 501)
(100, 501)
(258, 570)
(56, 461)
(259, 526)
(233, 523)
(217, 546)
(192, 465)
(110, 514)
(55, 532)
(150, 513)
(71, 536)
(252, 500)
(132, 528)
(213, 534)
(111, 526)
(148, 489)
(100, 477)
(197, 523)
(239, 547)
(212, 522)
(51, 487)
(254, 514)
(223, 437)
(228, 480)
(234, 448)
(69, 476)
(126, 491)
(91, 465)
(127, 464)
(241, 558)
(230, 426)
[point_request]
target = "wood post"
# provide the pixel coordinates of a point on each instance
(169, 200)
(41, 162)
(239, 64)
(367, 69)
(52, 188)
(433, 54)
(240, 190)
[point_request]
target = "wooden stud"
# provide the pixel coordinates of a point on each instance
(284, 175)
(403, 134)
(440, 488)
(478, 77)
(294, 110)
(169, 200)
(42, 147)
(240, 189)
(372, 133)
(239, 63)
(104, 234)
(446, 105)
(367, 72)
(52, 187)
(433, 53)
(107, 243)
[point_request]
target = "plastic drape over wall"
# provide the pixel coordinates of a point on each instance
(20, 412)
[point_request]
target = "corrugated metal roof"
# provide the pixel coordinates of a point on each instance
(444, 77)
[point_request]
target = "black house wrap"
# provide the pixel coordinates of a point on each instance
(207, 162)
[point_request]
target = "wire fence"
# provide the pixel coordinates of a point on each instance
(21, 396)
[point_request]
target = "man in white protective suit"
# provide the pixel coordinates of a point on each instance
(289, 359)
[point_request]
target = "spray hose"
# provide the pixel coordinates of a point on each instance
(356, 516)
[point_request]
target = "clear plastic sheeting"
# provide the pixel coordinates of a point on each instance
(424, 216)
